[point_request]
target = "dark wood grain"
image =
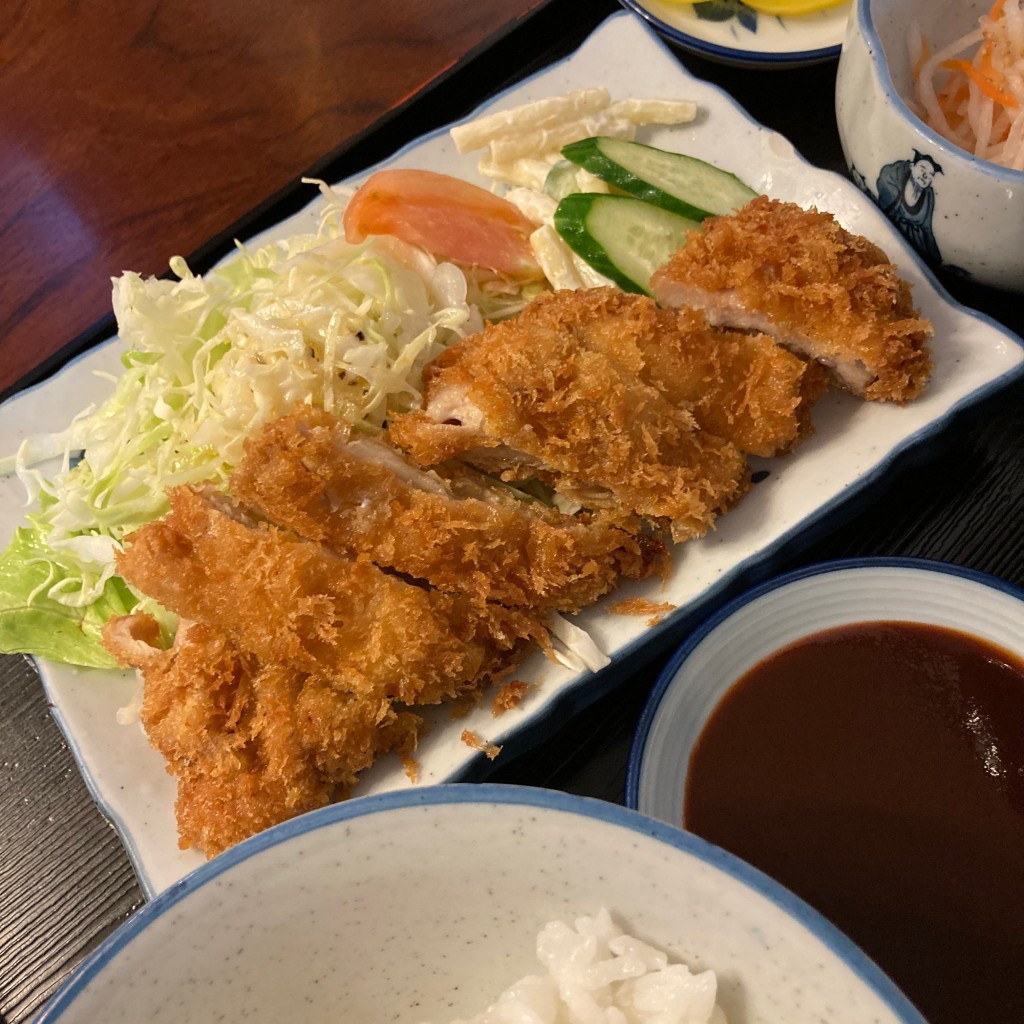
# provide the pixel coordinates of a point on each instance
(131, 132)
(65, 880)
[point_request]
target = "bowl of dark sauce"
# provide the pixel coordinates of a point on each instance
(856, 730)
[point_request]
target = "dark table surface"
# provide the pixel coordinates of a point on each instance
(65, 880)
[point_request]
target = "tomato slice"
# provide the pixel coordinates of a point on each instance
(450, 218)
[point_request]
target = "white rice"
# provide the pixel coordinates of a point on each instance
(596, 974)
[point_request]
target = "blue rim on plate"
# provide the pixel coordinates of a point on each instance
(638, 749)
(732, 54)
(794, 907)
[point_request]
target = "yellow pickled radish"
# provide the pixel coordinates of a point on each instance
(791, 7)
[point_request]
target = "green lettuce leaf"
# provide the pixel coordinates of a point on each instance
(33, 623)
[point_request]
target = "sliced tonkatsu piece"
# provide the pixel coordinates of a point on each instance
(359, 496)
(294, 602)
(251, 745)
(741, 387)
(529, 399)
(815, 287)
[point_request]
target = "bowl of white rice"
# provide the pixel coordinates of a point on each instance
(478, 903)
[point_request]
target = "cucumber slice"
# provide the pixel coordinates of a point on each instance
(621, 237)
(561, 180)
(673, 181)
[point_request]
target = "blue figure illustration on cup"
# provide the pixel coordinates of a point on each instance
(906, 195)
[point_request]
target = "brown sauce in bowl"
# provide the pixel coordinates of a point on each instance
(877, 770)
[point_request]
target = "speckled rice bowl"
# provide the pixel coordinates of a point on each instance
(425, 905)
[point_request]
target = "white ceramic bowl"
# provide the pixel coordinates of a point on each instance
(974, 209)
(424, 905)
(781, 612)
(738, 35)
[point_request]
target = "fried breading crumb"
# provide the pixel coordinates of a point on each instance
(532, 397)
(294, 602)
(411, 767)
(251, 743)
(740, 387)
(641, 606)
(471, 739)
(510, 695)
(360, 498)
(822, 291)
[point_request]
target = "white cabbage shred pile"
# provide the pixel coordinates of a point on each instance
(310, 319)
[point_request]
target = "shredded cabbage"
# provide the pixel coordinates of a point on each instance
(308, 320)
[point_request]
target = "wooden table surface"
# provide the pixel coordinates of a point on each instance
(129, 133)
(133, 132)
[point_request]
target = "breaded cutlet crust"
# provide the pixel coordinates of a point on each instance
(293, 602)
(303, 472)
(250, 745)
(816, 287)
(568, 414)
(743, 388)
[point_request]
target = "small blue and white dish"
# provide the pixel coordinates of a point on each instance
(963, 214)
(853, 729)
(426, 904)
(731, 32)
(782, 611)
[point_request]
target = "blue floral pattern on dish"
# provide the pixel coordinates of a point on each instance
(725, 10)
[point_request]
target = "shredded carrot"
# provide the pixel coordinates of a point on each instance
(981, 80)
(952, 101)
(976, 99)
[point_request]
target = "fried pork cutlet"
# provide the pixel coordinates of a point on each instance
(819, 290)
(529, 399)
(294, 602)
(741, 387)
(251, 745)
(360, 497)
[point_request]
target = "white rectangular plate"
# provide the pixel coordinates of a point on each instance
(854, 443)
